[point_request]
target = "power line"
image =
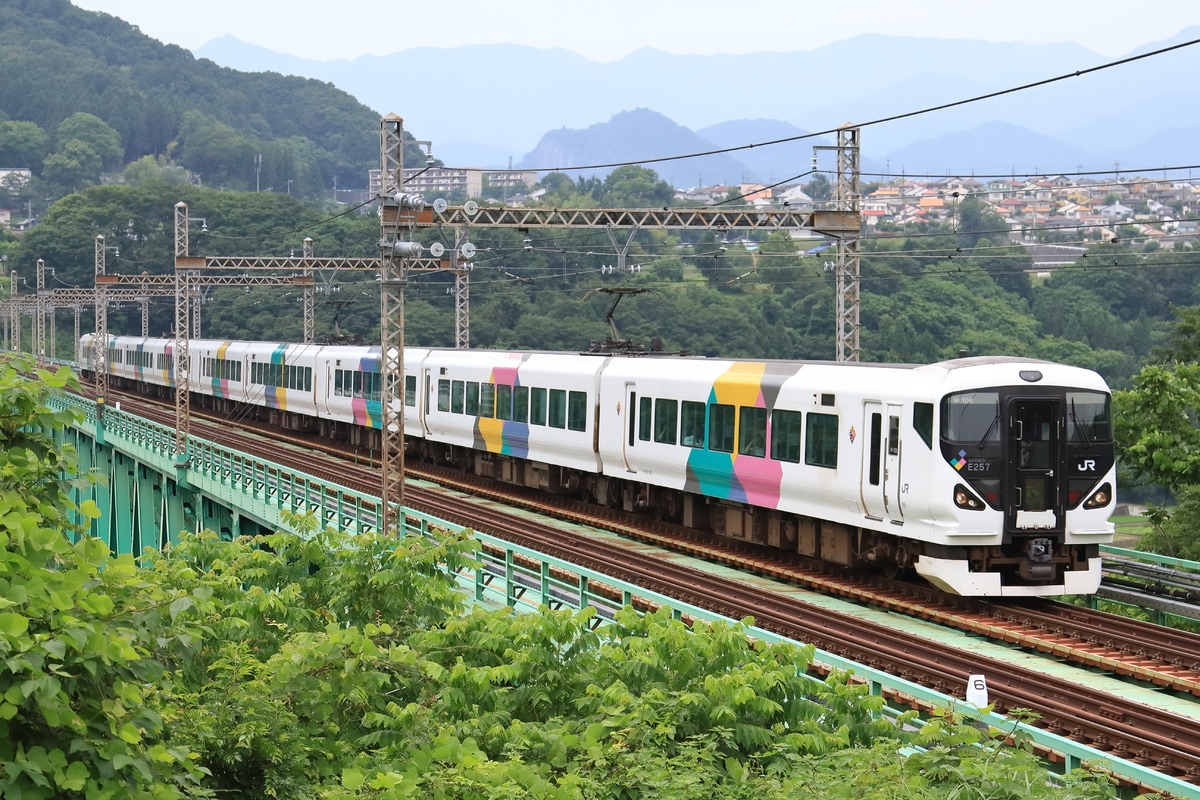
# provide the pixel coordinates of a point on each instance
(878, 121)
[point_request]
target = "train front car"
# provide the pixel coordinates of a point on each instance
(1027, 473)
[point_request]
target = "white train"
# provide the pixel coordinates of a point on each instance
(988, 476)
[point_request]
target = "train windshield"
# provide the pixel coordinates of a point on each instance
(971, 417)
(1088, 417)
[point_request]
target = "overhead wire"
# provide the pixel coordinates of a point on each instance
(877, 121)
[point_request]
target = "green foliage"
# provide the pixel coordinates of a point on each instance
(1155, 424)
(76, 716)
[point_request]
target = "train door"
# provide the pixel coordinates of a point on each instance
(1035, 465)
(629, 416)
(891, 465)
(881, 462)
(872, 467)
(424, 398)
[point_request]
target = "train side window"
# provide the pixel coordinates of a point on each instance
(443, 401)
(520, 404)
(537, 406)
(752, 431)
(472, 407)
(666, 421)
(410, 390)
(923, 422)
(457, 395)
(358, 384)
(693, 424)
(577, 411)
(645, 419)
(487, 400)
(785, 436)
(556, 414)
(721, 418)
(503, 401)
(821, 445)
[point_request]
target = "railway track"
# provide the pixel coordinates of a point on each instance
(1158, 656)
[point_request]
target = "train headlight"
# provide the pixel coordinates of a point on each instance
(964, 498)
(1100, 498)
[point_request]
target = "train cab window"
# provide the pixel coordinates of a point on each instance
(645, 419)
(556, 412)
(821, 440)
(472, 405)
(666, 421)
(443, 401)
(503, 401)
(1088, 418)
(785, 436)
(487, 400)
(923, 422)
(693, 424)
(752, 431)
(971, 417)
(410, 390)
(537, 406)
(520, 401)
(457, 395)
(720, 427)
(577, 411)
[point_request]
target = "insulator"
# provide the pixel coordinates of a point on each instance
(408, 249)
(413, 201)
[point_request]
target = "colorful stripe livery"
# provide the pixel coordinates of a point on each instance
(502, 435)
(276, 396)
(731, 476)
(368, 413)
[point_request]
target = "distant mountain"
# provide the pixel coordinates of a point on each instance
(995, 148)
(637, 135)
(1091, 119)
(768, 164)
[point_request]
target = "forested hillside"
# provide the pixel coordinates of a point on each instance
(84, 94)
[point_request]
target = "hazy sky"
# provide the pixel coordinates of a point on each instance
(608, 30)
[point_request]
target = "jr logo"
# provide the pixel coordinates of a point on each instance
(1088, 465)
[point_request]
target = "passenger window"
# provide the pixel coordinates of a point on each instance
(785, 436)
(410, 390)
(720, 427)
(821, 443)
(752, 431)
(644, 419)
(666, 421)
(520, 404)
(472, 405)
(503, 401)
(693, 424)
(556, 415)
(487, 400)
(537, 406)
(443, 403)
(456, 397)
(577, 411)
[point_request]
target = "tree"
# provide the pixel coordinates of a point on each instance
(634, 187)
(77, 716)
(96, 134)
(819, 188)
(22, 144)
(73, 166)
